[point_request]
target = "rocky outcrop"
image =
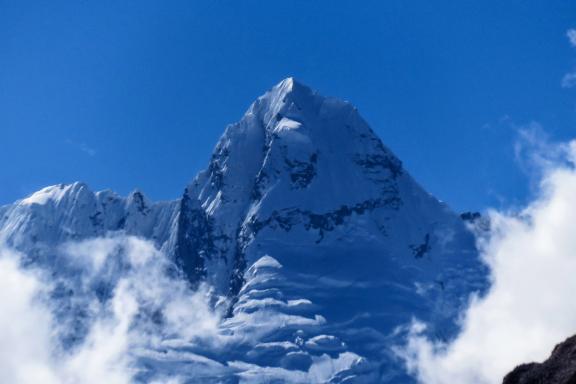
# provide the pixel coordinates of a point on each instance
(560, 368)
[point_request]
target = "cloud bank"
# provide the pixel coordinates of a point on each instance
(530, 307)
(137, 304)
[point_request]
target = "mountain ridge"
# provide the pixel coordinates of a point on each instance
(314, 240)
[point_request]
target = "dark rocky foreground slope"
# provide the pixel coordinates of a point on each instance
(560, 368)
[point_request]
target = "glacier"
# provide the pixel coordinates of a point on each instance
(305, 242)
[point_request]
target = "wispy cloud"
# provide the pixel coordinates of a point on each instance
(535, 154)
(571, 34)
(82, 147)
(569, 79)
(130, 302)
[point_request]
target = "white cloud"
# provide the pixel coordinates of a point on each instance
(119, 330)
(529, 308)
(571, 34)
(25, 345)
(536, 155)
(569, 80)
(82, 147)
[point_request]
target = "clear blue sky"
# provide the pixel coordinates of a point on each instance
(124, 94)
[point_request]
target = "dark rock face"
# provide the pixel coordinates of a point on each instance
(560, 368)
(470, 216)
(301, 172)
(321, 222)
(194, 239)
(421, 250)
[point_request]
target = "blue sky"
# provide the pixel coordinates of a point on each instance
(126, 94)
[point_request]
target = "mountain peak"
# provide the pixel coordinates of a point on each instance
(290, 85)
(292, 104)
(285, 95)
(304, 229)
(293, 137)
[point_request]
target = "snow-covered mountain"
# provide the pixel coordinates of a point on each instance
(316, 244)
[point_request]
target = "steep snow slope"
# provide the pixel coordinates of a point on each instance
(334, 231)
(318, 246)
